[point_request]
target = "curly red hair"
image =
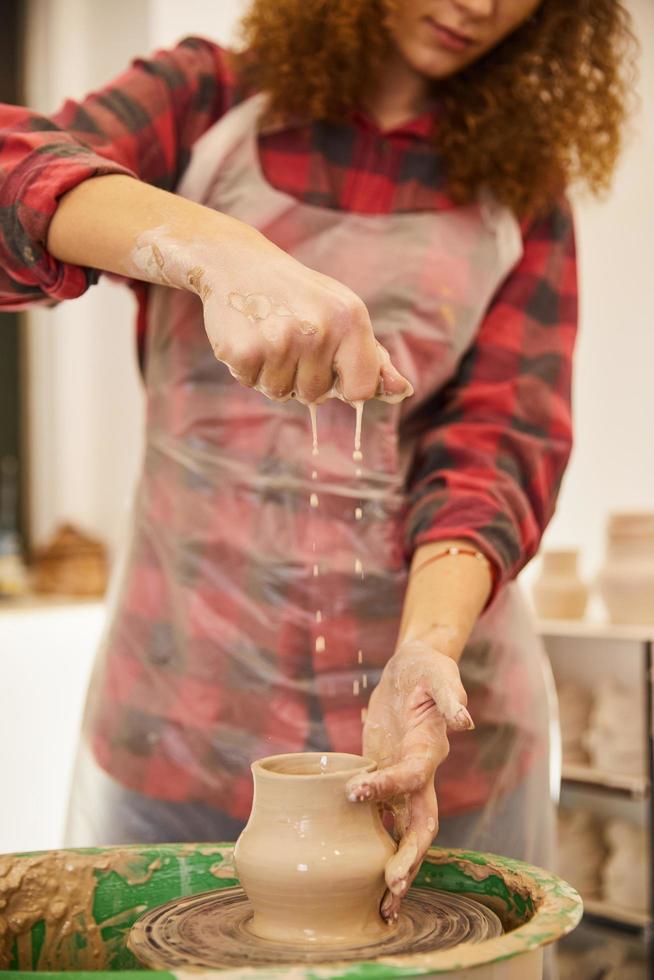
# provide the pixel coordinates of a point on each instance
(543, 110)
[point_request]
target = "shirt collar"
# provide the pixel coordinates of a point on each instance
(419, 127)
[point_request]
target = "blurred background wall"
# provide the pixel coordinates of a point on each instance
(86, 403)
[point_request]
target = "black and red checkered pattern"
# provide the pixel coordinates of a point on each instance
(490, 451)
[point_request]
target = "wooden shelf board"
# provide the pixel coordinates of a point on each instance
(620, 784)
(40, 603)
(588, 629)
(598, 909)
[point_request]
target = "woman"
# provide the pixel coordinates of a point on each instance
(365, 174)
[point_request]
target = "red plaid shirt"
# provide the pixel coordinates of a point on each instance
(490, 460)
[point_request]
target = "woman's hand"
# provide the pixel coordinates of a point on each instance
(419, 697)
(279, 327)
(289, 332)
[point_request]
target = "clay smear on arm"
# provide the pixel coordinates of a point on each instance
(196, 283)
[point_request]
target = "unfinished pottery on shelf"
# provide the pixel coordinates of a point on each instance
(559, 592)
(575, 705)
(624, 876)
(310, 861)
(615, 737)
(626, 580)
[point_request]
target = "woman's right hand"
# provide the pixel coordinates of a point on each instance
(279, 326)
(288, 331)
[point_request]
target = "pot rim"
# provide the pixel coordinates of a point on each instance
(260, 768)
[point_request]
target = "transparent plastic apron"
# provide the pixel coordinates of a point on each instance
(223, 524)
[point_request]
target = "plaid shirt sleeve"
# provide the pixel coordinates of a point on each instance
(489, 465)
(142, 124)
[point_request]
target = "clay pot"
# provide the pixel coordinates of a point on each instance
(558, 592)
(626, 581)
(615, 736)
(624, 876)
(312, 863)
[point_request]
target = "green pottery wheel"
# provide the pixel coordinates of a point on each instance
(68, 913)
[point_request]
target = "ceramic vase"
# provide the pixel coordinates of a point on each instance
(311, 862)
(626, 581)
(559, 593)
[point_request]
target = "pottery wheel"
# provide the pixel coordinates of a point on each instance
(210, 931)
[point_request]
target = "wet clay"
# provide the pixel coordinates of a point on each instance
(357, 455)
(311, 862)
(213, 931)
(195, 280)
(257, 307)
(314, 429)
(519, 884)
(448, 925)
(59, 888)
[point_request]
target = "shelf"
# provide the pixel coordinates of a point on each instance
(615, 914)
(604, 781)
(588, 629)
(43, 603)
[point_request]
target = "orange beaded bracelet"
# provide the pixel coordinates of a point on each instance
(452, 552)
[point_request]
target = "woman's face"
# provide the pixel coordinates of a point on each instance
(440, 37)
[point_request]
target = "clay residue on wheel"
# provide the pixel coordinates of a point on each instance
(58, 889)
(211, 931)
(516, 885)
(224, 869)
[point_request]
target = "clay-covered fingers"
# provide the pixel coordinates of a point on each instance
(450, 698)
(416, 841)
(315, 371)
(277, 379)
(245, 362)
(356, 359)
(407, 776)
(439, 676)
(392, 385)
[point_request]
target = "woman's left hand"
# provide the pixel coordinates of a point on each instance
(419, 697)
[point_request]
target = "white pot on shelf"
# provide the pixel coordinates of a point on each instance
(559, 592)
(624, 875)
(626, 580)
